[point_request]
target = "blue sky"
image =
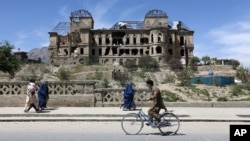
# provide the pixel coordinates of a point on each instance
(222, 27)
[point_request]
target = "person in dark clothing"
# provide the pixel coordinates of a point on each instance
(43, 95)
(128, 98)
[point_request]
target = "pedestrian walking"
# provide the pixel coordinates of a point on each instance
(31, 100)
(43, 95)
(128, 97)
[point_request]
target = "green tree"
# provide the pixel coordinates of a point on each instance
(63, 74)
(130, 64)
(184, 76)
(175, 64)
(243, 74)
(148, 63)
(206, 59)
(8, 61)
(235, 63)
(194, 61)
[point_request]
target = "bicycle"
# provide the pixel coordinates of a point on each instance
(132, 123)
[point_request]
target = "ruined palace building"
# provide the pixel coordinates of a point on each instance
(77, 41)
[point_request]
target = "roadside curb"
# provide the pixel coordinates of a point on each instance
(114, 120)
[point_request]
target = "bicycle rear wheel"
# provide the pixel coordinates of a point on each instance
(132, 124)
(170, 125)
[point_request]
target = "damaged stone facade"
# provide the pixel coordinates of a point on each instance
(77, 42)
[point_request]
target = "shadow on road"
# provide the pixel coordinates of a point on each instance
(160, 134)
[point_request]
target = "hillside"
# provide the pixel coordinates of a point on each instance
(165, 79)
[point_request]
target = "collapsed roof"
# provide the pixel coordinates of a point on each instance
(63, 28)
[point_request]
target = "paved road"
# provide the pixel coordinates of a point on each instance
(100, 131)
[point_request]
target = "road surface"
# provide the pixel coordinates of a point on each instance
(108, 131)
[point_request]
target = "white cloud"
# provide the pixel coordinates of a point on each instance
(98, 12)
(125, 14)
(26, 40)
(64, 12)
(232, 41)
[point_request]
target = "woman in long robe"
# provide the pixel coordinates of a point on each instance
(128, 98)
(43, 94)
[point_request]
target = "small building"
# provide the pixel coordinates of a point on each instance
(21, 55)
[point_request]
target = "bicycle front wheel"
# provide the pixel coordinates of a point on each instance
(132, 124)
(170, 125)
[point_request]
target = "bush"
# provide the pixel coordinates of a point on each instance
(236, 90)
(235, 63)
(194, 61)
(243, 74)
(33, 75)
(184, 76)
(130, 65)
(222, 99)
(148, 63)
(175, 64)
(105, 83)
(63, 74)
(171, 97)
(98, 75)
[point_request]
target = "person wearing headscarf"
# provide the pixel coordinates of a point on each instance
(43, 95)
(128, 98)
(31, 100)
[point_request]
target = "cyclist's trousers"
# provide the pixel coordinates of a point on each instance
(154, 113)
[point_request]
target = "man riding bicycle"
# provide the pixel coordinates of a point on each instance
(158, 103)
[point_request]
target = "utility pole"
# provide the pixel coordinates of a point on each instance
(186, 54)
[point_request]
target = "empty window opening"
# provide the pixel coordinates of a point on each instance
(147, 52)
(159, 39)
(93, 51)
(181, 40)
(107, 51)
(107, 41)
(93, 41)
(158, 50)
(117, 41)
(127, 51)
(170, 40)
(81, 51)
(114, 50)
(127, 41)
(182, 52)
(141, 51)
(134, 41)
(152, 50)
(121, 52)
(66, 52)
(144, 40)
(100, 52)
(170, 51)
(152, 38)
(100, 40)
(134, 51)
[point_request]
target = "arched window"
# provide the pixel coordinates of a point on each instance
(181, 40)
(182, 52)
(170, 51)
(152, 38)
(158, 50)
